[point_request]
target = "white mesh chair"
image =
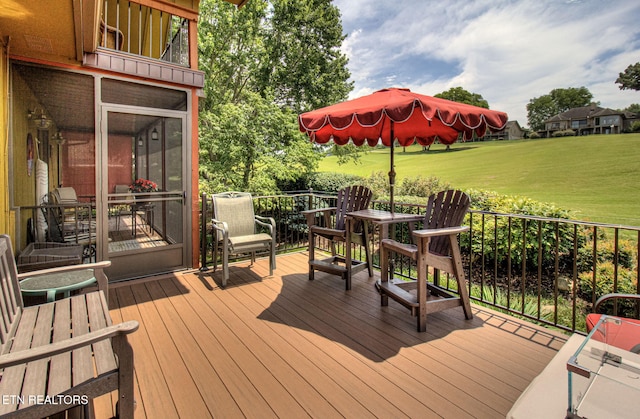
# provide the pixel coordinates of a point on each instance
(237, 230)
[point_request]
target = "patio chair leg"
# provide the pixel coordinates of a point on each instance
(348, 263)
(272, 258)
(312, 254)
(459, 273)
(384, 272)
(367, 252)
(215, 251)
(225, 265)
(422, 291)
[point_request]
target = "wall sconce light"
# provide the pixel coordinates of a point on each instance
(140, 142)
(154, 134)
(59, 139)
(40, 119)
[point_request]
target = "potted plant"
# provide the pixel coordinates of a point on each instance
(140, 186)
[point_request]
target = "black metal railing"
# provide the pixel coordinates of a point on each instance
(549, 271)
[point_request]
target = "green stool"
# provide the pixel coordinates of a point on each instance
(52, 284)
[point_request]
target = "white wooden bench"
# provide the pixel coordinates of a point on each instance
(59, 355)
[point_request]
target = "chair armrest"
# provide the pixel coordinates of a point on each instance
(55, 348)
(318, 210)
(433, 232)
(269, 222)
(614, 296)
(402, 248)
(222, 227)
(310, 215)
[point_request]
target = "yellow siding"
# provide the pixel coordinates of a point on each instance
(5, 218)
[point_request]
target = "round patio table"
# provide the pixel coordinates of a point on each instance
(52, 284)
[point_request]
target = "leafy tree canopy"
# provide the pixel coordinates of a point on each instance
(634, 108)
(541, 108)
(264, 64)
(304, 67)
(458, 94)
(630, 78)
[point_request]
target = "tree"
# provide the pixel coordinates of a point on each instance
(264, 63)
(304, 67)
(458, 94)
(230, 49)
(630, 78)
(252, 146)
(557, 101)
(633, 108)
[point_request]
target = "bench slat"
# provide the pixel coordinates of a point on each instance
(81, 358)
(102, 351)
(36, 371)
(60, 369)
(12, 378)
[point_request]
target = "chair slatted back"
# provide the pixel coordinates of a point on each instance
(445, 209)
(10, 299)
(236, 209)
(65, 195)
(351, 198)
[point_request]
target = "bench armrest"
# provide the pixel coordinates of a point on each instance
(55, 348)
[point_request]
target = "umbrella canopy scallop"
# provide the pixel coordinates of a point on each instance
(400, 114)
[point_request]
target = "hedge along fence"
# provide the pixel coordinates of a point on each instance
(529, 258)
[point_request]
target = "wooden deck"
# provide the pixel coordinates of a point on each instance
(284, 346)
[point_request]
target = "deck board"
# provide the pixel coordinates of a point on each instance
(283, 346)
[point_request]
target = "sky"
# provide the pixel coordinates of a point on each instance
(508, 51)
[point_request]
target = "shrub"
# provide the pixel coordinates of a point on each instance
(503, 238)
(534, 135)
(564, 133)
(333, 181)
(635, 127)
(422, 186)
(378, 182)
(604, 284)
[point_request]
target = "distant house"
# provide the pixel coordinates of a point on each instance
(587, 120)
(511, 131)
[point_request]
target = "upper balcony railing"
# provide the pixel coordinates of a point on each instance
(547, 270)
(158, 33)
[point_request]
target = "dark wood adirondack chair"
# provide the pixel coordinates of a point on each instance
(436, 245)
(330, 223)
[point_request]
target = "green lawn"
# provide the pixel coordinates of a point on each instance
(596, 177)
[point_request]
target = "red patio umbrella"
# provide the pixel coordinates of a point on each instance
(398, 114)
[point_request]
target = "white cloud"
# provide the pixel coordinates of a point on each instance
(508, 51)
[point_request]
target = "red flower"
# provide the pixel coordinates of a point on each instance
(143, 185)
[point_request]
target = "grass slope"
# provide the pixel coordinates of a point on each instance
(596, 176)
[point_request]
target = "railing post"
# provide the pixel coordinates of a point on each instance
(310, 199)
(203, 234)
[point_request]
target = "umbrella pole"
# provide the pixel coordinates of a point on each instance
(392, 171)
